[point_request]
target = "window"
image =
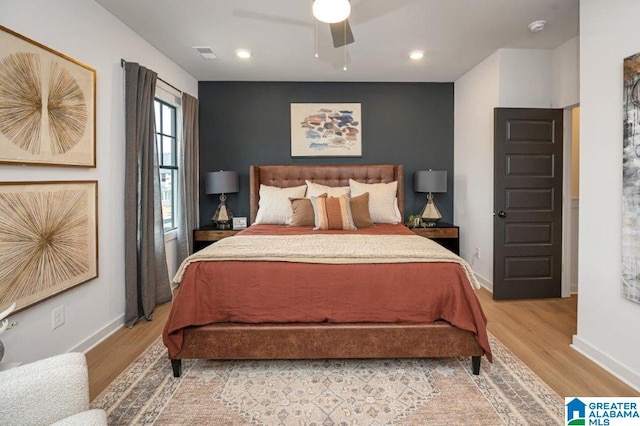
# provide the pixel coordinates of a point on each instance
(167, 140)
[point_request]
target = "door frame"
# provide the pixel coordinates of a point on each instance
(567, 275)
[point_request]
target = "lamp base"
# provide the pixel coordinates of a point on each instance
(223, 218)
(430, 214)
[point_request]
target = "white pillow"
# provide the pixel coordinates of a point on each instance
(383, 203)
(315, 189)
(274, 207)
(397, 210)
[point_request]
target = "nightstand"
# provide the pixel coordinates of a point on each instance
(445, 234)
(206, 235)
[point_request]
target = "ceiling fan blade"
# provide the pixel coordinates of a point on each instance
(329, 55)
(341, 33)
(271, 18)
(365, 11)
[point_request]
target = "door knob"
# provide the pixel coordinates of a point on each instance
(502, 213)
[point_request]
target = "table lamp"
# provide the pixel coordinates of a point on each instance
(430, 181)
(222, 182)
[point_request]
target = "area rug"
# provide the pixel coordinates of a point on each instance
(437, 391)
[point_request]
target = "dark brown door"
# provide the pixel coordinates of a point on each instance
(527, 222)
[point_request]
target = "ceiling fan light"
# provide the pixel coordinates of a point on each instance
(331, 11)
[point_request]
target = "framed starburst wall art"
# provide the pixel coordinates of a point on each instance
(48, 239)
(47, 105)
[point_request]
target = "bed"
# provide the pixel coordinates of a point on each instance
(273, 308)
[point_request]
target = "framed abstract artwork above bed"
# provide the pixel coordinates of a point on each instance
(48, 239)
(326, 130)
(48, 105)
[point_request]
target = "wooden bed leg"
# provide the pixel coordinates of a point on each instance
(176, 364)
(475, 364)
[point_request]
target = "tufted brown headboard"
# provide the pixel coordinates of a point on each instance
(330, 175)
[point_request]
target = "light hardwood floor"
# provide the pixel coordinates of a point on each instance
(538, 332)
(115, 353)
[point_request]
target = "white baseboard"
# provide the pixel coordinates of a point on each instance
(608, 363)
(484, 282)
(97, 337)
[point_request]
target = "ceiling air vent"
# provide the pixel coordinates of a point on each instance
(206, 52)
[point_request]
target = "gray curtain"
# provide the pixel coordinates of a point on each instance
(146, 276)
(188, 206)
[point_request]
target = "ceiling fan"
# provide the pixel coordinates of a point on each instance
(363, 11)
(335, 13)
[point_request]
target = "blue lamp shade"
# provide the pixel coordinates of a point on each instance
(222, 182)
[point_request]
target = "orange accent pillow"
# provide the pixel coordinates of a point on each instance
(332, 213)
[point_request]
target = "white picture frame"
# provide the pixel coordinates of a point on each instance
(239, 223)
(326, 130)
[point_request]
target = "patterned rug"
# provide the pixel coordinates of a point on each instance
(438, 391)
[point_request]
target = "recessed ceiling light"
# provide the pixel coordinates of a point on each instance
(537, 26)
(243, 53)
(416, 55)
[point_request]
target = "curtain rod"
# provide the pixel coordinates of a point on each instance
(123, 61)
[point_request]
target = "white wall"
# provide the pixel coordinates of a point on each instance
(475, 97)
(607, 324)
(565, 83)
(525, 78)
(85, 31)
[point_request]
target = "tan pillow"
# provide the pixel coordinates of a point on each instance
(332, 213)
(303, 211)
(360, 211)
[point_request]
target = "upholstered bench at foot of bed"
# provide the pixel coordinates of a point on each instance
(327, 340)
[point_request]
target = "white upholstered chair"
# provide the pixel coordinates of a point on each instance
(50, 391)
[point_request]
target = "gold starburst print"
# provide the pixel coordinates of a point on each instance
(67, 110)
(21, 100)
(47, 105)
(46, 239)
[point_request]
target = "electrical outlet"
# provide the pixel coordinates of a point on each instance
(477, 253)
(57, 316)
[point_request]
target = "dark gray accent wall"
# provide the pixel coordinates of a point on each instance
(248, 123)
